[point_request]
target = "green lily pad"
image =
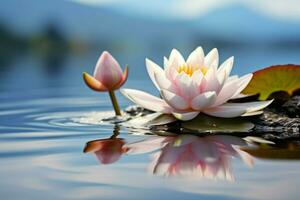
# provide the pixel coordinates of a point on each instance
(207, 124)
(273, 79)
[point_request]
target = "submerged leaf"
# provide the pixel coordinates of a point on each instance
(204, 123)
(273, 79)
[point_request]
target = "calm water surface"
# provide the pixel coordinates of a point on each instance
(43, 136)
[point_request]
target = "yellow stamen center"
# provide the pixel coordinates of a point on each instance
(204, 70)
(189, 69)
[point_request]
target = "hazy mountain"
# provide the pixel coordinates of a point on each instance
(238, 21)
(30, 16)
(93, 23)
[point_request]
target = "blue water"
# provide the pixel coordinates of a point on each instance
(42, 137)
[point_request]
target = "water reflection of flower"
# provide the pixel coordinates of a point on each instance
(183, 155)
(189, 155)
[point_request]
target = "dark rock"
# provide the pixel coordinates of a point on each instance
(272, 125)
(292, 107)
(136, 110)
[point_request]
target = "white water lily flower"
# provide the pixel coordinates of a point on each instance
(196, 85)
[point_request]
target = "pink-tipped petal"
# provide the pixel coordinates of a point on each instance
(185, 116)
(196, 58)
(211, 81)
(171, 73)
(221, 79)
(123, 80)
(197, 77)
(108, 71)
(232, 88)
(176, 59)
(184, 84)
(203, 100)
(164, 83)
(152, 69)
(211, 58)
(92, 83)
(147, 101)
(174, 100)
(225, 68)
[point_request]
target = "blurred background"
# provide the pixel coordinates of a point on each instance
(47, 44)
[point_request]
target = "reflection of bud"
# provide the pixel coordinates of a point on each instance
(189, 155)
(107, 150)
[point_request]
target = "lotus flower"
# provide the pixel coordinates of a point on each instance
(108, 76)
(188, 155)
(195, 85)
(107, 150)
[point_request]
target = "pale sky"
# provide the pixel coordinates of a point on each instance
(288, 10)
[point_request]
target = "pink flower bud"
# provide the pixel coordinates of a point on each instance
(108, 74)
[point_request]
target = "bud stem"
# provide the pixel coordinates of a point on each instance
(114, 102)
(116, 132)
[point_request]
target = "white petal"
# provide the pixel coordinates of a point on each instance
(212, 83)
(222, 79)
(164, 83)
(183, 82)
(196, 58)
(225, 112)
(171, 73)
(229, 110)
(229, 89)
(231, 78)
(166, 63)
(203, 100)
(176, 59)
(146, 100)
(251, 106)
(174, 100)
(211, 58)
(195, 88)
(241, 95)
(185, 116)
(197, 77)
(242, 84)
(253, 113)
(225, 68)
(152, 69)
